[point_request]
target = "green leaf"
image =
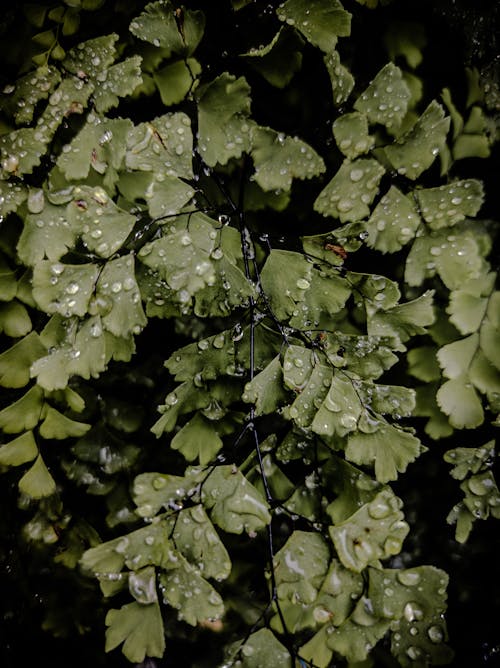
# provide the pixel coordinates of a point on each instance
(22, 151)
(455, 358)
(12, 195)
(404, 320)
(278, 159)
(340, 410)
(389, 449)
(140, 629)
(353, 488)
(458, 399)
(92, 57)
(309, 380)
(423, 364)
(300, 567)
(470, 460)
(117, 81)
(185, 590)
(37, 481)
(148, 546)
(298, 292)
(417, 149)
(160, 25)
(406, 39)
(14, 319)
(393, 222)
(104, 226)
(224, 129)
(29, 90)
(24, 414)
(351, 134)
(176, 80)
(235, 504)
(185, 398)
(99, 145)
(357, 635)
(341, 79)
(64, 288)
(351, 190)
(15, 362)
(320, 21)
(197, 440)
(455, 257)
(447, 205)
(45, 234)
(385, 101)
(118, 291)
(194, 536)
(265, 390)
(279, 60)
(153, 491)
(142, 585)
(163, 146)
(59, 426)
(262, 648)
(19, 451)
(416, 605)
(375, 531)
(468, 305)
(438, 425)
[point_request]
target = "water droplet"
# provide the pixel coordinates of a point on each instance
(116, 287)
(356, 174)
(412, 612)
(72, 288)
(303, 284)
(435, 634)
(408, 578)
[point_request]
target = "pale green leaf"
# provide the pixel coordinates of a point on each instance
(455, 358)
(92, 57)
(383, 518)
(37, 481)
(385, 101)
(165, 196)
(351, 190)
(19, 451)
(175, 80)
(235, 504)
(366, 356)
(458, 399)
(393, 222)
(21, 151)
(15, 362)
(185, 398)
(309, 380)
(23, 414)
(70, 97)
(153, 491)
(389, 449)
(340, 410)
(142, 585)
(64, 288)
(447, 205)
(489, 338)
(14, 319)
(320, 21)
(161, 26)
(265, 390)
(471, 146)
(224, 129)
(278, 159)
(262, 648)
(437, 425)
(162, 146)
(351, 134)
(59, 426)
(417, 149)
(197, 440)
(190, 594)
(466, 310)
(140, 629)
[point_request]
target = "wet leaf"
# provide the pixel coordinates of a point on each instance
(351, 134)
(64, 288)
(385, 101)
(351, 190)
(447, 205)
(341, 79)
(320, 21)
(235, 504)
(278, 159)
(279, 60)
(375, 531)
(393, 222)
(417, 149)
(118, 298)
(266, 389)
(45, 234)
